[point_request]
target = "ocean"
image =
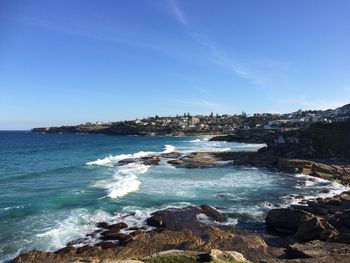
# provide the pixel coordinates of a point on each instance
(54, 188)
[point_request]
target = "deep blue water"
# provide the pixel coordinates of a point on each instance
(54, 189)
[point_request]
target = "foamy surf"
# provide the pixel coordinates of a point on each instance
(315, 184)
(77, 224)
(123, 181)
(168, 148)
(111, 160)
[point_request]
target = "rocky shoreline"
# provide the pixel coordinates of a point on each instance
(180, 234)
(315, 230)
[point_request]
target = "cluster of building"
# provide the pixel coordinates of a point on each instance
(187, 122)
(227, 122)
(304, 118)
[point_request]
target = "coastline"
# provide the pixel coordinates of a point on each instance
(121, 241)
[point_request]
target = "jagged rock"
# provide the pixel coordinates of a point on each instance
(212, 213)
(117, 226)
(147, 160)
(183, 218)
(288, 219)
(102, 225)
(316, 228)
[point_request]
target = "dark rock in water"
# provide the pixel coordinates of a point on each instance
(171, 155)
(325, 191)
(102, 225)
(76, 242)
(150, 160)
(183, 218)
(147, 160)
(117, 226)
(107, 235)
(155, 221)
(127, 161)
(212, 213)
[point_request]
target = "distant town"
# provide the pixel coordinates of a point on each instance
(188, 124)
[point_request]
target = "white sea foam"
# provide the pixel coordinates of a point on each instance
(11, 207)
(111, 160)
(315, 184)
(196, 140)
(76, 225)
(169, 148)
(123, 181)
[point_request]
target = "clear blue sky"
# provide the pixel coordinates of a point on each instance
(70, 61)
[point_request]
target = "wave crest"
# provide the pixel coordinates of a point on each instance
(111, 160)
(123, 181)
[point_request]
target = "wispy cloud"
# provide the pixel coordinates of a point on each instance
(258, 75)
(178, 13)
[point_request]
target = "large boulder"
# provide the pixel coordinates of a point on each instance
(303, 225)
(316, 228)
(287, 220)
(183, 218)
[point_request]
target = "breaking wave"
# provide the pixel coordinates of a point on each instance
(123, 181)
(111, 160)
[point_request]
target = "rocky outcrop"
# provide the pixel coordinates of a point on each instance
(331, 170)
(266, 136)
(324, 219)
(328, 169)
(315, 251)
(175, 229)
(303, 225)
(147, 160)
(317, 141)
(184, 218)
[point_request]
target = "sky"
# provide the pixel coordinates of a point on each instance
(71, 61)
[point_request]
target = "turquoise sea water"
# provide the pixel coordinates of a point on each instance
(55, 187)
